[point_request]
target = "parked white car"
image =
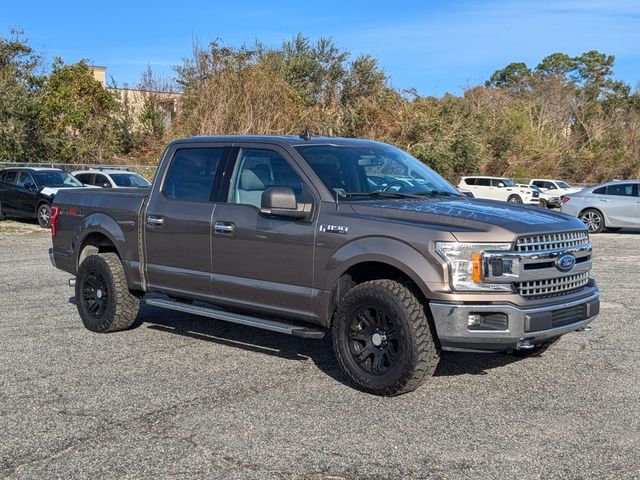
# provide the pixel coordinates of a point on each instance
(551, 191)
(612, 205)
(111, 178)
(499, 188)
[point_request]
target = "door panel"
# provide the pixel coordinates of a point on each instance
(262, 262)
(178, 224)
(619, 205)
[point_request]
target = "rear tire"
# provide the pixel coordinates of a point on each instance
(514, 199)
(382, 338)
(2, 217)
(593, 219)
(104, 301)
(44, 215)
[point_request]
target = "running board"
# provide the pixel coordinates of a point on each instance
(263, 323)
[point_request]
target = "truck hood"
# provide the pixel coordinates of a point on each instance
(471, 219)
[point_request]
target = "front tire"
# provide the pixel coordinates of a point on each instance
(543, 203)
(102, 294)
(593, 219)
(382, 338)
(514, 199)
(44, 215)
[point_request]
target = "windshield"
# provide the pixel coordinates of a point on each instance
(563, 185)
(129, 180)
(356, 172)
(54, 178)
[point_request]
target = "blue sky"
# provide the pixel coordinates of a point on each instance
(436, 47)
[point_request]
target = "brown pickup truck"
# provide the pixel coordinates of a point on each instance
(300, 235)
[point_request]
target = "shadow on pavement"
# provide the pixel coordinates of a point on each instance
(292, 348)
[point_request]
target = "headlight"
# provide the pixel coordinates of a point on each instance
(466, 266)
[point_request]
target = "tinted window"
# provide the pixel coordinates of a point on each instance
(470, 181)
(100, 180)
(129, 180)
(483, 182)
(10, 177)
(85, 178)
(623, 190)
(258, 170)
(600, 191)
(55, 178)
(24, 178)
(539, 184)
(191, 175)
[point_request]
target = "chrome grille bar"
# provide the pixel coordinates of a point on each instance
(552, 286)
(535, 243)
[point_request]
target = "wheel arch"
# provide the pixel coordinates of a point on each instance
(374, 259)
(605, 219)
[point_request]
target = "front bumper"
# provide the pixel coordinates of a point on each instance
(526, 326)
(52, 258)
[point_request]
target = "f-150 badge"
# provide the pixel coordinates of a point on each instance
(334, 229)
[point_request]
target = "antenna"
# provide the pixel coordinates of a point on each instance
(306, 136)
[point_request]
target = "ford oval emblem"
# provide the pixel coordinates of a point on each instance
(565, 262)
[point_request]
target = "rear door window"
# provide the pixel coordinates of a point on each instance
(623, 190)
(10, 177)
(600, 191)
(192, 174)
(483, 182)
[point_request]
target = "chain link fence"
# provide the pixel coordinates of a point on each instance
(147, 171)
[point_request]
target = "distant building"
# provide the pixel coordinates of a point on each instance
(168, 102)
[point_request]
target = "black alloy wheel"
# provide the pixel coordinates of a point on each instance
(374, 342)
(95, 294)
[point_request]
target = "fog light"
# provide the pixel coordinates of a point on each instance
(488, 321)
(474, 320)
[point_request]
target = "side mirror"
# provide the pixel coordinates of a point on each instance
(106, 185)
(501, 184)
(281, 202)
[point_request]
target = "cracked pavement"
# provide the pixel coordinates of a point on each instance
(182, 396)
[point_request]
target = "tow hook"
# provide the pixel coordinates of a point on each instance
(524, 345)
(72, 282)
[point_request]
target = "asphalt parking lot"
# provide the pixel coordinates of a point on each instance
(182, 396)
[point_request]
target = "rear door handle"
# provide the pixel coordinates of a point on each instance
(155, 220)
(604, 200)
(224, 227)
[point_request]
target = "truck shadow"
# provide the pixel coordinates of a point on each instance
(320, 352)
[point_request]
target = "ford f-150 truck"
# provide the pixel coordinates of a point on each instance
(298, 235)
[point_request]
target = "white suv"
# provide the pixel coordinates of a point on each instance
(551, 191)
(111, 178)
(499, 188)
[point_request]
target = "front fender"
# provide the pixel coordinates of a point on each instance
(425, 271)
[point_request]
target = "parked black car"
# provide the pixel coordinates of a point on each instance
(28, 192)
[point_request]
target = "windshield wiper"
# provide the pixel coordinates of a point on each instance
(437, 192)
(379, 194)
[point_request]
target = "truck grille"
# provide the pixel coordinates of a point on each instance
(552, 241)
(553, 286)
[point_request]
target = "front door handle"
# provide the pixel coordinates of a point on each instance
(224, 227)
(155, 221)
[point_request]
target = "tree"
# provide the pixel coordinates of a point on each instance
(515, 75)
(19, 86)
(76, 112)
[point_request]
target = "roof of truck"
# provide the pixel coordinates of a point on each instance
(293, 140)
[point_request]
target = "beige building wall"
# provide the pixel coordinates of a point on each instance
(99, 74)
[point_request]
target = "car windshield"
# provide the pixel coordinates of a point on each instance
(363, 172)
(129, 180)
(54, 178)
(563, 185)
